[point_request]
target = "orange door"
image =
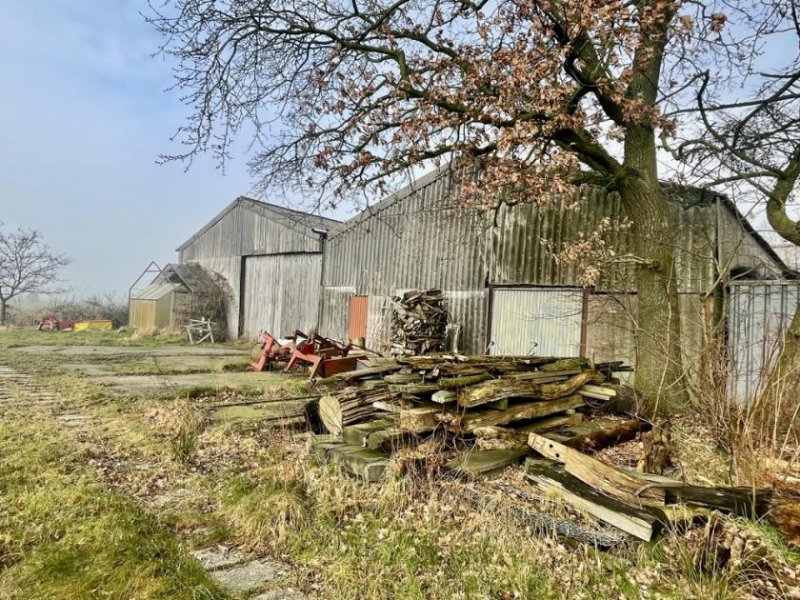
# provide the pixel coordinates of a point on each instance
(357, 327)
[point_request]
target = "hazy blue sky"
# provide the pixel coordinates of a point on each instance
(84, 116)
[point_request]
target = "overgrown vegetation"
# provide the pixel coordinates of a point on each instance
(414, 538)
(215, 481)
(64, 535)
(109, 307)
(27, 336)
(185, 425)
(210, 301)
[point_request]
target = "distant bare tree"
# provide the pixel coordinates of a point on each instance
(27, 265)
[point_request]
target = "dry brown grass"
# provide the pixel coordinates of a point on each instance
(418, 535)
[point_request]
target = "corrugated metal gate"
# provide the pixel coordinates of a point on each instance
(759, 315)
(280, 293)
(542, 321)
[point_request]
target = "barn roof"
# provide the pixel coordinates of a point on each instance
(303, 222)
(190, 275)
(704, 196)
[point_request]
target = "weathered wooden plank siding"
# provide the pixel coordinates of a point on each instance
(244, 231)
(281, 294)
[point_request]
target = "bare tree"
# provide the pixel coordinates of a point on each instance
(543, 94)
(751, 144)
(27, 265)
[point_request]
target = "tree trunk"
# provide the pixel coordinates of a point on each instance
(659, 364)
(3, 303)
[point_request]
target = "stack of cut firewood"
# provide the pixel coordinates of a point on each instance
(484, 413)
(419, 321)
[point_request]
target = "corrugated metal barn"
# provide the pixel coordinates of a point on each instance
(503, 284)
(159, 304)
(760, 314)
(271, 257)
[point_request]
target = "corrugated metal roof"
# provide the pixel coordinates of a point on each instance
(157, 290)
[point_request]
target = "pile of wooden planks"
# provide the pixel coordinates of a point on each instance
(476, 396)
(480, 414)
(486, 403)
(498, 398)
(419, 321)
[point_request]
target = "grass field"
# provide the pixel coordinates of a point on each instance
(110, 508)
(66, 535)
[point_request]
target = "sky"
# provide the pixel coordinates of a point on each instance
(85, 114)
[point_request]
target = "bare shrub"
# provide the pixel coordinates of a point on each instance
(107, 306)
(210, 300)
(755, 430)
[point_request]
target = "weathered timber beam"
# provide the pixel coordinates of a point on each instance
(468, 422)
(483, 462)
(612, 482)
(552, 479)
(506, 388)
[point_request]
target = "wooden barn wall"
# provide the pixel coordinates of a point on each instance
(242, 232)
(281, 294)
